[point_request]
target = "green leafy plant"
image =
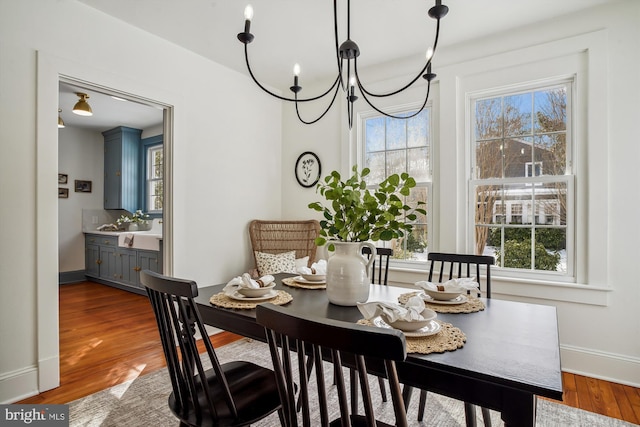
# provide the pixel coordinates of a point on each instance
(357, 214)
(138, 217)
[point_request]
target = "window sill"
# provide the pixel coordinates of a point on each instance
(527, 288)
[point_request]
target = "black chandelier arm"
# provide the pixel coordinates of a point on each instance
(335, 32)
(283, 98)
(424, 104)
(420, 74)
(350, 112)
(337, 89)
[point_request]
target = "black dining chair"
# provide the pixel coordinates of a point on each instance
(231, 394)
(447, 266)
(379, 273)
(292, 335)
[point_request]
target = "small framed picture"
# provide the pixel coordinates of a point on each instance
(308, 169)
(63, 178)
(63, 193)
(83, 186)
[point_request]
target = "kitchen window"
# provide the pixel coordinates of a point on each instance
(154, 180)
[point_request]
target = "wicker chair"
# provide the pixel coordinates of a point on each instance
(275, 237)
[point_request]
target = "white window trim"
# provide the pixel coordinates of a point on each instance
(585, 57)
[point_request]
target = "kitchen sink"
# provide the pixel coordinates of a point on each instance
(149, 240)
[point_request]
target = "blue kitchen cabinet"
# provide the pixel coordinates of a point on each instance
(122, 168)
(110, 264)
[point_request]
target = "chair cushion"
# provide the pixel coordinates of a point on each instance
(276, 263)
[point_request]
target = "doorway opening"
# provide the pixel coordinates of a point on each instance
(82, 158)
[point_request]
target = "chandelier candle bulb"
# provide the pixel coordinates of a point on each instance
(248, 16)
(296, 73)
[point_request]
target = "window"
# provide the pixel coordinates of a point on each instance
(521, 183)
(402, 145)
(154, 184)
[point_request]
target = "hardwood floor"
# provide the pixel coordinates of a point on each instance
(108, 336)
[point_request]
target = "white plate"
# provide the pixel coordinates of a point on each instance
(301, 279)
(432, 328)
(460, 299)
(314, 277)
(238, 296)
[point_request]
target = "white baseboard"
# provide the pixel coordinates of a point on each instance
(601, 365)
(49, 373)
(18, 385)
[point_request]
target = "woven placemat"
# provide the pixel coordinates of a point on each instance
(222, 300)
(449, 338)
(289, 281)
(472, 304)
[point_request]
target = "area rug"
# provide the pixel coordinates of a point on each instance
(143, 402)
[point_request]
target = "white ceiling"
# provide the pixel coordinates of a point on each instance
(290, 31)
(107, 111)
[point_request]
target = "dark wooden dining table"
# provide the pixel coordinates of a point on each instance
(510, 357)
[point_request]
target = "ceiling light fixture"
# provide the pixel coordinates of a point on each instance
(348, 78)
(60, 121)
(82, 107)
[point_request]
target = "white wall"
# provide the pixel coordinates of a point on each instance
(226, 165)
(81, 156)
(599, 320)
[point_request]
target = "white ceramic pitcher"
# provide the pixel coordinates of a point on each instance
(348, 273)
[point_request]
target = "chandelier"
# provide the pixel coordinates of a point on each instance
(347, 60)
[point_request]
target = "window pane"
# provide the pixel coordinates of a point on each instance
(374, 134)
(417, 135)
(488, 201)
(396, 134)
(155, 191)
(517, 114)
(554, 255)
(551, 152)
(489, 159)
(418, 164)
(375, 162)
(491, 239)
(516, 250)
(551, 203)
(396, 162)
(551, 110)
(488, 118)
(419, 194)
(516, 156)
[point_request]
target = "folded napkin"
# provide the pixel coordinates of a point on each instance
(319, 267)
(453, 285)
(412, 310)
(245, 281)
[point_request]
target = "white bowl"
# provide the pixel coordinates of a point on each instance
(314, 277)
(449, 294)
(408, 326)
(256, 292)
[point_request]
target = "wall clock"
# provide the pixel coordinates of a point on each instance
(308, 169)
